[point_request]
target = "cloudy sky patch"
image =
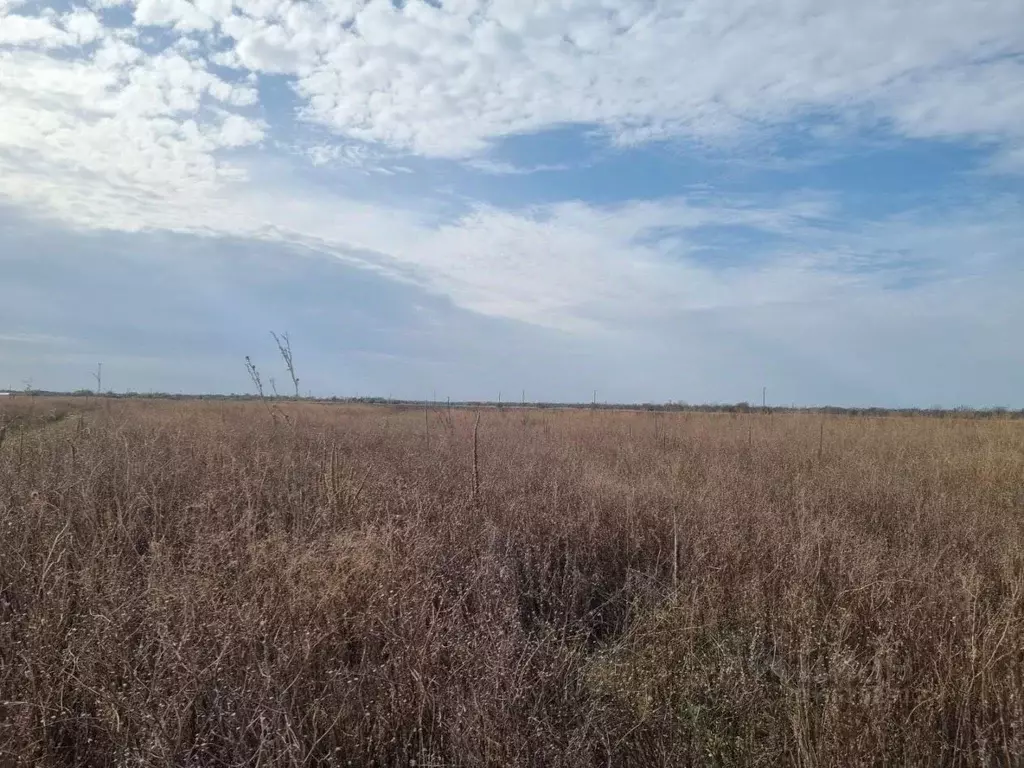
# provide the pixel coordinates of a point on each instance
(658, 200)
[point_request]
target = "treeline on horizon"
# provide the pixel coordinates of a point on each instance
(962, 411)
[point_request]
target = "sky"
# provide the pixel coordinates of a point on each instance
(678, 200)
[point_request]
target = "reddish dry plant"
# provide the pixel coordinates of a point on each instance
(194, 584)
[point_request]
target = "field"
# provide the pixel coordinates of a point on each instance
(212, 584)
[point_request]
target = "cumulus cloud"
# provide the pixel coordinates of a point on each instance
(447, 79)
(181, 14)
(113, 119)
(79, 27)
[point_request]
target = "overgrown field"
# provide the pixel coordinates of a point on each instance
(198, 584)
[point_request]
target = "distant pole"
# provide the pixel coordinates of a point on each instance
(476, 467)
(99, 377)
(499, 398)
(764, 397)
(595, 398)
(524, 397)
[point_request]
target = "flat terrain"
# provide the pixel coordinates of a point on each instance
(214, 584)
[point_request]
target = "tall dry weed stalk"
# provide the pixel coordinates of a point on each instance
(284, 348)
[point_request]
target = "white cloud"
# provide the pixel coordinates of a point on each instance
(26, 30)
(979, 100)
(510, 169)
(113, 121)
(237, 131)
(215, 9)
(134, 128)
(581, 268)
(79, 27)
(83, 26)
(181, 14)
(445, 81)
(264, 48)
(338, 154)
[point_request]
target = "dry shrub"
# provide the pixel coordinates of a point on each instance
(194, 584)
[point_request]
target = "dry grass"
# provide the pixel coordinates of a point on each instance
(188, 584)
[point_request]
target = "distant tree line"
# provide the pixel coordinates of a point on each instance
(672, 407)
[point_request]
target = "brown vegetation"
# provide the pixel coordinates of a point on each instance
(196, 584)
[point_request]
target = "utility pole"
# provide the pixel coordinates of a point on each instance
(764, 396)
(99, 378)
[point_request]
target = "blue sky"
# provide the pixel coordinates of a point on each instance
(661, 201)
